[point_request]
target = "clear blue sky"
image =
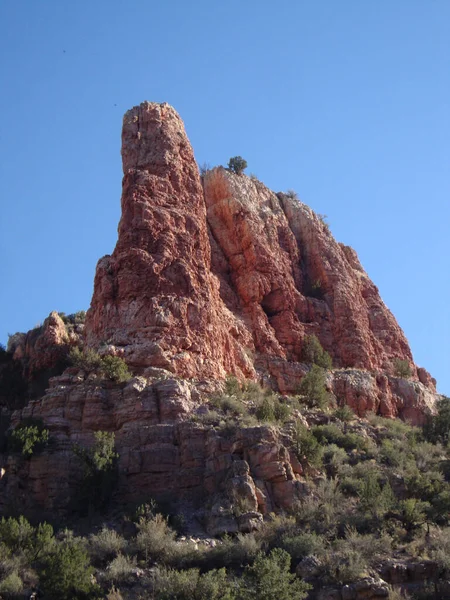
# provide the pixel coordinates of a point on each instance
(347, 102)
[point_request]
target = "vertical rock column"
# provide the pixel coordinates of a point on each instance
(155, 299)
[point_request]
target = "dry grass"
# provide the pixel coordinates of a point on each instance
(216, 186)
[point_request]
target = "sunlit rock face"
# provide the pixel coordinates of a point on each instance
(210, 276)
(155, 299)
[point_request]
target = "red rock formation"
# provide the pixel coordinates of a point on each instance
(276, 274)
(278, 255)
(204, 281)
(155, 299)
(42, 347)
(159, 453)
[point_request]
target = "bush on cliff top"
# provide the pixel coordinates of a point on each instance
(250, 400)
(237, 165)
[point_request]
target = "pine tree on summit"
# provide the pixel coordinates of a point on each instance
(237, 165)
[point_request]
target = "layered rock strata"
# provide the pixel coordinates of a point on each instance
(161, 452)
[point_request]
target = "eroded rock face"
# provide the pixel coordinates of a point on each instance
(208, 278)
(382, 394)
(161, 453)
(280, 266)
(42, 347)
(155, 299)
(228, 278)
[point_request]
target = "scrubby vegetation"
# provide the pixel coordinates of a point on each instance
(372, 489)
(99, 466)
(237, 165)
(247, 404)
(401, 368)
(110, 367)
(312, 388)
(383, 490)
(28, 437)
(312, 352)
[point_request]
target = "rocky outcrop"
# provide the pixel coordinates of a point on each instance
(155, 299)
(368, 588)
(219, 276)
(210, 276)
(162, 453)
(382, 394)
(42, 347)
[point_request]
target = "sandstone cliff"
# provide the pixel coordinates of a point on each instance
(219, 275)
(211, 276)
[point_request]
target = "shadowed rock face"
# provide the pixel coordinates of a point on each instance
(227, 277)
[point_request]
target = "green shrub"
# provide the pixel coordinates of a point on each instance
(170, 584)
(88, 359)
(313, 353)
(230, 405)
(73, 319)
(303, 544)
(156, 540)
(322, 512)
(328, 434)
(16, 534)
(111, 367)
(292, 194)
(271, 409)
(312, 387)
(232, 386)
(315, 289)
(437, 427)
(332, 434)
(375, 499)
(114, 594)
(350, 486)
(439, 547)
(344, 413)
(425, 486)
(237, 165)
(306, 446)
(265, 410)
(66, 573)
(333, 459)
(269, 578)
(120, 569)
(99, 465)
(390, 453)
(209, 417)
(106, 545)
(413, 513)
(22, 539)
(115, 368)
(401, 368)
(370, 546)
(12, 584)
(233, 552)
(28, 437)
(345, 565)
